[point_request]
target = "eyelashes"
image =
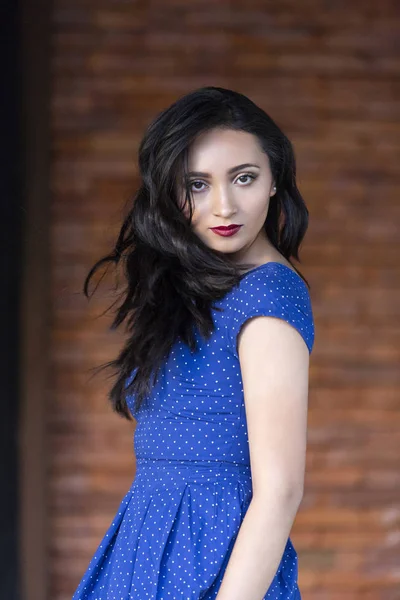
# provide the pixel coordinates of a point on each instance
(249, 175)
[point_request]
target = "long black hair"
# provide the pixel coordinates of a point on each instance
(172, 276)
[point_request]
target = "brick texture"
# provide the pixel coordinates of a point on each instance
(328, 74)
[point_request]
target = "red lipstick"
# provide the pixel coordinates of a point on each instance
(226, 231)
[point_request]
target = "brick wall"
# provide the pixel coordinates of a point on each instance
(328, 74)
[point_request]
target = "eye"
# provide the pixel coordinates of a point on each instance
(247, 175)
(195, 182)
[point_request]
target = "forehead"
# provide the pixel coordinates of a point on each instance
(224, 146)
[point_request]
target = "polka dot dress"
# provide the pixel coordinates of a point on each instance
(173, 534)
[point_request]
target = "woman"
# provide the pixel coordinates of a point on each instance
(215, 367)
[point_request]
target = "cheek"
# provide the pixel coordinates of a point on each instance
(200, 217)
(256, 205)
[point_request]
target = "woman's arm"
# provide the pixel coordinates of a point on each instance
(274, 362)
(259, 547)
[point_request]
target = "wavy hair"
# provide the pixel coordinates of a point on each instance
(172, 277)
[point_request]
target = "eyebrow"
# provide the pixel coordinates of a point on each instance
(232, 170)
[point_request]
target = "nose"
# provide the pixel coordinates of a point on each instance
(223, 204)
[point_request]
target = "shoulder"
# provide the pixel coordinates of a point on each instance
(272, 290)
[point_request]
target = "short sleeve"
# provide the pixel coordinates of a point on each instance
(273, 292)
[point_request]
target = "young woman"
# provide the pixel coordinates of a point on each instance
(215, 366)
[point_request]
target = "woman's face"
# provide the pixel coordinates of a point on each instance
(231, 183)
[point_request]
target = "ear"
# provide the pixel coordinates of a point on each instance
(273, 190)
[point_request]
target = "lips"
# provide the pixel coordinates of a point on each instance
(226, 227)
(226, 231)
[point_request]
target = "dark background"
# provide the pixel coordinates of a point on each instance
(10, 251)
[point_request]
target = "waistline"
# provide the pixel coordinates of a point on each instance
(191, 470)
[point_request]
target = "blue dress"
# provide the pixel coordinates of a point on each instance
(175, 528)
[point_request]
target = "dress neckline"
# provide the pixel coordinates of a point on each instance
(271, 262)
